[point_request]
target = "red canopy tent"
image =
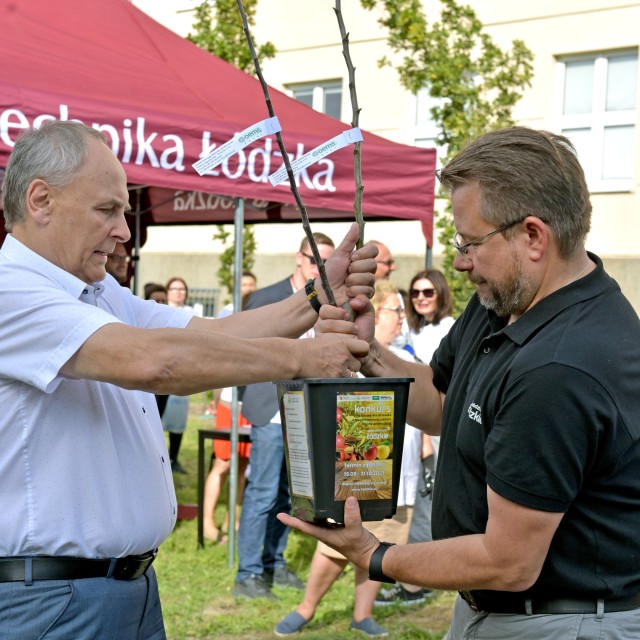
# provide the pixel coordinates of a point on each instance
(163, 103)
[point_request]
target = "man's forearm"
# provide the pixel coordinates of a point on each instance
(181, 361)
(453, 564)
(289, 318)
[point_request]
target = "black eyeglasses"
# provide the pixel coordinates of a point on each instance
(427, 293)
(386, 263)
(311, 259)
(463, 249)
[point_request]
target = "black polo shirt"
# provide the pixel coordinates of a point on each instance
(546, 412)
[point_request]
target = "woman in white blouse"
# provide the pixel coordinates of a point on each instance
(429, 314)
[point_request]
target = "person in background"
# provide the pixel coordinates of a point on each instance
(385, 261)
(118, 264)
(220, 407)
(176, 412)
(221, 468)
(248, 284)
(386, 266)
(429, 320)
(326, 564)
(86, 489)
(429, 315)
(262, 538)
(156, 292)
(177, 294)
(536, 506)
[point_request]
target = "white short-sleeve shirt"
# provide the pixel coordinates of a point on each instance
(84, 469)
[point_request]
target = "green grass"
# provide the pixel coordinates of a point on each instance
(196, 585)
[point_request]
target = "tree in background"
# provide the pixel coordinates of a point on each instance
(218, 30)
(475, 83)
(249, 245)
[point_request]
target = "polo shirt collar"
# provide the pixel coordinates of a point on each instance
(16, 251)
(544, 311)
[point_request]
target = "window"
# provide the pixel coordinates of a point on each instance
(321, 96)
(425, 129)
(597, 112)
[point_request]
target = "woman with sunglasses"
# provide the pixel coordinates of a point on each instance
(429, 314)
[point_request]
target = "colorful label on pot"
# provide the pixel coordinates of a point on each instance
(297, 444)
(364, 445)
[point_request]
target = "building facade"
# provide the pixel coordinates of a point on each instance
(585, 85)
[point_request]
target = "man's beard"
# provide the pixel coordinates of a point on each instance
(512, 296)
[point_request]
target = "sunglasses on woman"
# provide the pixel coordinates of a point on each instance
(427, 293)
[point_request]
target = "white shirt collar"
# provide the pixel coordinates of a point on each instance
(16, 251)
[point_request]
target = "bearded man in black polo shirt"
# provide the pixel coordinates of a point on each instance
(536, 511)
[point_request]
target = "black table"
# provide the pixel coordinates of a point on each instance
(222, 433)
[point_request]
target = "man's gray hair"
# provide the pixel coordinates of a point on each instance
(53, 153)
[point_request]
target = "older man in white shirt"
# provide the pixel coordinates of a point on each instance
(85, 482)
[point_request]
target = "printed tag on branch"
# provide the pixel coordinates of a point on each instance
(237, 143)
(340, 141)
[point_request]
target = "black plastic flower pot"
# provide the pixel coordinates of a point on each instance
(343, 437)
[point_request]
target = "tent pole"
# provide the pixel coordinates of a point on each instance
(235, 411)
(136, 252)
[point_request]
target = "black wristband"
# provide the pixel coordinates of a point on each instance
(312, 295)
(375, 564)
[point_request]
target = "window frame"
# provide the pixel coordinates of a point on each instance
(319, 91)
(424, 133)
(597, 120)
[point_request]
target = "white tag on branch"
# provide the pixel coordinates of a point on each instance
(345, 138)
(237, 143)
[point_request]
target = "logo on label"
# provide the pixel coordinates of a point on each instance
(475, 413)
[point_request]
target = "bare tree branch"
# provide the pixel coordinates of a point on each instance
(355, 118)
(285, 156)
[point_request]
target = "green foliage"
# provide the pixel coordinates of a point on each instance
(218, 30)
(227, 257)
(477, 82)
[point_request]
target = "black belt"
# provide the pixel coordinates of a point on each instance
(21, 569)
(481, 601)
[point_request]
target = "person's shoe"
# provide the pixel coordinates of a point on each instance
(290, 624)
(283, 577)
(399, 595)
(369, 627)
(176, 467)
(253, 587)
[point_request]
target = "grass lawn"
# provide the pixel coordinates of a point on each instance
(196, 585)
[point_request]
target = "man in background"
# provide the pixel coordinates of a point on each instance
(248, 285)
(262, 538)
(118, 264)
(386, 263)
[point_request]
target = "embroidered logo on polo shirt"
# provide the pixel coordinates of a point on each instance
(475, 413)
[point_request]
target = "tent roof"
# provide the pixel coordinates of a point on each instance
(162, 101)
